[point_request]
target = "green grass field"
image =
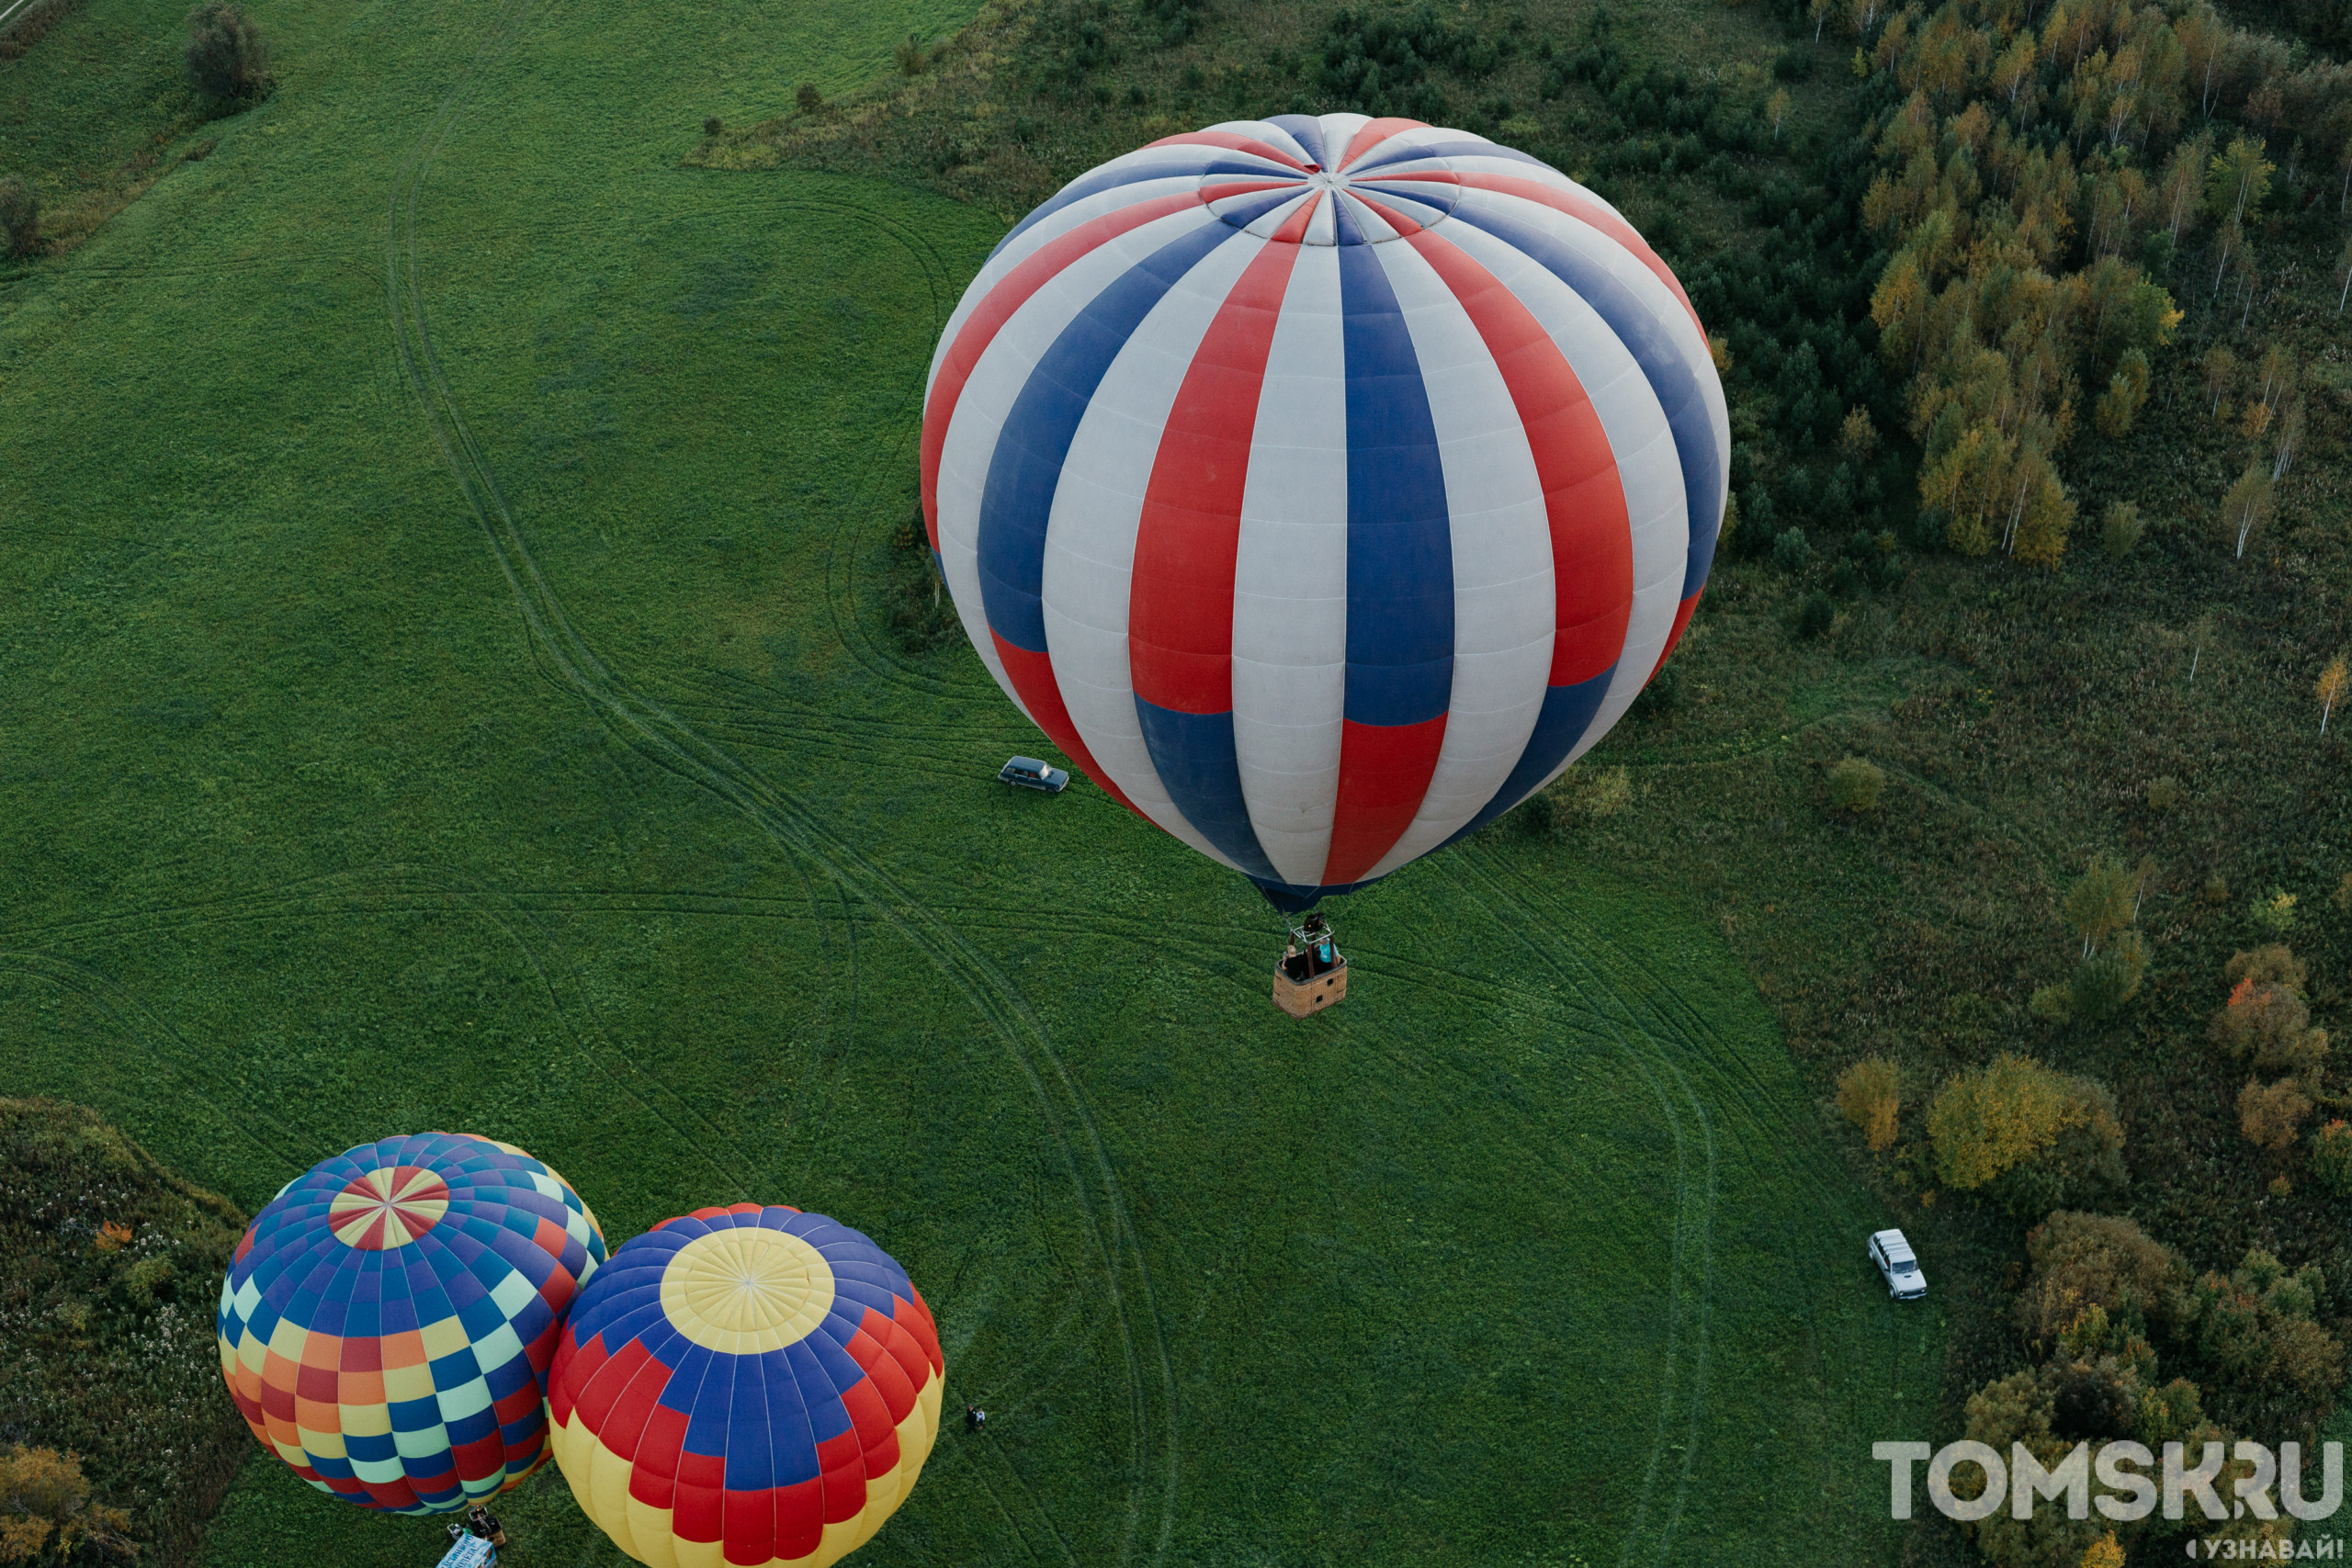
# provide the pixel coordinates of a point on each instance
(442, 653)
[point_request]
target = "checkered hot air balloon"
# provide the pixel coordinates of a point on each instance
(746, 1385)
(388, 1318)
(1324, 486)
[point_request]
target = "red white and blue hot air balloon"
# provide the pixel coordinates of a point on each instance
(1324, 486)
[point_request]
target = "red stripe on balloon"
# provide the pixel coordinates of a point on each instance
(1376, 132)
(1032, 675)
(1584, 497)
(1579, 206)
(1179, 597)
(1385, 770)
(1247, 187)
(1681, 623)
(988, 318)
(1232, 143)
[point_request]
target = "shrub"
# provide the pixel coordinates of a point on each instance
(2121, 529)
(19, 216)
(1818, 614)
(2276, 913)
(2270, 1115)
(714, 126)
(2081, 1261)
(2054, 1004)
(1854, 785)
(2255, 1330)
(45, 1507)
(2037, 1138)
(909, 56)
(808, 100)
(2266, 1019)
(1791, 551)
(2272, 965)
(227, 58)
(1870, 1095)
(2109, 979)
(2126, 391)
(2332, 1157)
(2164, 794)
(2099, 904)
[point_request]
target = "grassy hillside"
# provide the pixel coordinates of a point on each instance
(109, 1266)
(451, 686)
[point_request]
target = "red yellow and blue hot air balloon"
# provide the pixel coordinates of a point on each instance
(746, 1385)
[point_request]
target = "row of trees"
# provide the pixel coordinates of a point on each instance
(2043, 170)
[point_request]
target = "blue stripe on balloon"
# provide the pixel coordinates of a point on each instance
(1400, 555)
(1670, 376)
(1193, 754)
(1307, 131)
(1296, 898)
(792, 1443)
(1444, 150)
(1567, 714)
(827, 1417)
(1018, 498)
(1214, 161)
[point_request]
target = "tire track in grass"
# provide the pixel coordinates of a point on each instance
(567, 660)
(1745, 1091)
(1693, 1248)
(128, 1013)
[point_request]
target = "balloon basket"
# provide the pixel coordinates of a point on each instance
(1312, 974)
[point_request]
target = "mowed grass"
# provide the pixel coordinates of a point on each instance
(441, 596)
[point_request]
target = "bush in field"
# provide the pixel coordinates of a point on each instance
(19, 216)
(909, 56)
(45, 1508)
(1818, 614)
(1854, 785)
(2032, 1138)
(2258, 1325)
(2271, 1114)
(2121, 529)
(1870, 1095)
(2100, 903)
(227, 58)
(2332, 1157)
(808, 100)
(2109, 979)
(2081, 1261)
(2266, 1020)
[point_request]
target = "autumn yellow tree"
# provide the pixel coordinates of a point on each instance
(2247, 504)
(1870, 1095)
(2331, 689)
(45, 1508)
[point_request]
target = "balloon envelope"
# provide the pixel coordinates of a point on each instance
(388, 1318)
(746, 1385)
(1323, 487)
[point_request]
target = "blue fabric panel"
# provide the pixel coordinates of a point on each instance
(751, 1457)
(1193, 754)
(415, 1415)
(827, 1417)
(1211, 161)
(1400, 556)
(1345, 230)
(792, 1444)
(1295, 898)
(1670, 376)
(1307, 131)
(1444, 150)
(1018, 498)
(1568, 712)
